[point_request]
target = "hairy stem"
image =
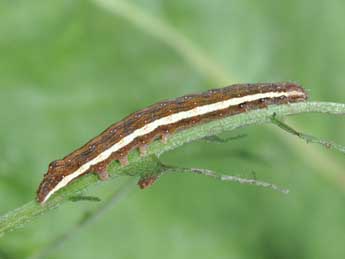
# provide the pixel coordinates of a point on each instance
(139, 166)
(222, 177)
(307, 138)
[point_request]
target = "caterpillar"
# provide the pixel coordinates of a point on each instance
(160, 120)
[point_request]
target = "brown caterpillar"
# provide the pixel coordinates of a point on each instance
(159, 121)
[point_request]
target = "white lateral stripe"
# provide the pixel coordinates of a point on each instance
(164, 121)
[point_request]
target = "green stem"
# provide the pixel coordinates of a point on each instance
(222, 177)
(307, 138)
(139, 166)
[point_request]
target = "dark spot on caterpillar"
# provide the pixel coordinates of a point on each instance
(56, 163)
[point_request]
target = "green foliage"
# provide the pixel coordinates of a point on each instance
(68, 69)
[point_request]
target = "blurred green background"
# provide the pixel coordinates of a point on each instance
(68, 69)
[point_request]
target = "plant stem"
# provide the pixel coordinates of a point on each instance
(222, 177)
(139, 166)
